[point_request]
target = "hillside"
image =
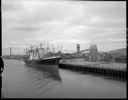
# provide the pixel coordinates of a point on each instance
(121, 51)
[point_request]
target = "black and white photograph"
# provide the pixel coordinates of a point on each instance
(63, 49)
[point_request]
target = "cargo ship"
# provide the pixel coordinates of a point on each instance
(42, 55)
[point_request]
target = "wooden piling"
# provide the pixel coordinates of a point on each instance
(105, 70)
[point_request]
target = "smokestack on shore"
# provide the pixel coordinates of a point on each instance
(78, 48)
(10, 51)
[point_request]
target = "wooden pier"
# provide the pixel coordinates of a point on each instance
(117, 70)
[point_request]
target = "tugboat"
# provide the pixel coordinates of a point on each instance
(42, 56)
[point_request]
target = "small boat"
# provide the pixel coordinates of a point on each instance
(42, 56)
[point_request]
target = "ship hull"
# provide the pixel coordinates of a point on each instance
(53, 61)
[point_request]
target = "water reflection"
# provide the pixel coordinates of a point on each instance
(40, 72)
(31, 81)
(119, 79)
(45, 81)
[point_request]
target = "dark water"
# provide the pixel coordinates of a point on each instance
(21, 81)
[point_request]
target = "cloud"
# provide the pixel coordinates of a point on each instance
(26, 28)
(96, 20)
(10, 5)
(65, 22)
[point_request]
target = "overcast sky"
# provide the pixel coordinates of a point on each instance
(66, 23)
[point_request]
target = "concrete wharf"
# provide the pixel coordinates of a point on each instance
(103, 68)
